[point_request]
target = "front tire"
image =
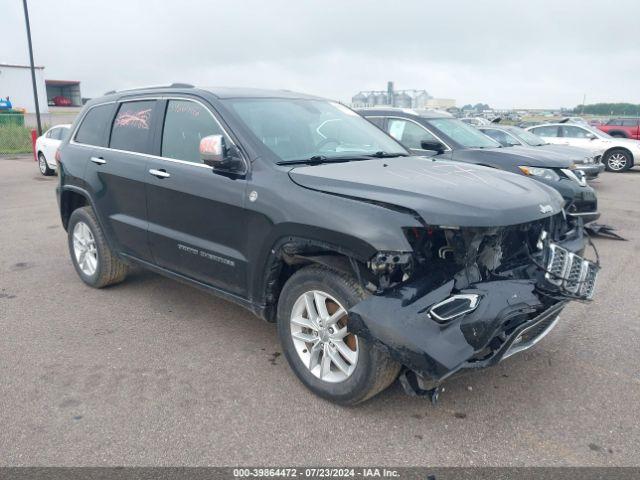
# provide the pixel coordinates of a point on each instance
(94, 261)
(330, 361)
(617, 160)
(43, 166)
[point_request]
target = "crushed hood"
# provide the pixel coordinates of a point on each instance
(440, 191)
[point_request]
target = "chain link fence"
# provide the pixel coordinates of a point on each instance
(16, 127)
(15, 137)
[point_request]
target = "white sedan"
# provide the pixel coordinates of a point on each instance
(618, 154)
(47, 145)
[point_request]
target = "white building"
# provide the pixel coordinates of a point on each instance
(440, 103)
(15, 83)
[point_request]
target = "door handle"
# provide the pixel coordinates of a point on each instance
(159, 173)
(98, 160)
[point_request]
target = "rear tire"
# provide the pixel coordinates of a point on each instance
(43, 166)
(617, 160)
(94, 261)
(369, 369)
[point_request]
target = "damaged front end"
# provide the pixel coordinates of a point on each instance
(471, 297)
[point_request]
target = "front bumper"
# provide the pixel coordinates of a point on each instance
(510, 316)
(581, 201)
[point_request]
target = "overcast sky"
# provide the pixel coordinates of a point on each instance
(507, 53)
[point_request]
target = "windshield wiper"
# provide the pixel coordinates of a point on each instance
(320, 159)
(387, 155)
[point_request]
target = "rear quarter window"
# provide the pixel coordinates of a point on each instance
(95, 125)
(132, 127)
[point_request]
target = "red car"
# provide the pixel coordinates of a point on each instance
(622, 128)
(61, 101)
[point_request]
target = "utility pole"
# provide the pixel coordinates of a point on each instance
(33, 68)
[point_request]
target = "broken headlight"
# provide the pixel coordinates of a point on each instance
(575, 175)
(394, 267)
(539, 172)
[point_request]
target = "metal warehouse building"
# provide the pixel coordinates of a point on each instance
(15, 83)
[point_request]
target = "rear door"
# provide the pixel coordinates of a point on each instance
(550, 133)
(117, 174)
(197, 220)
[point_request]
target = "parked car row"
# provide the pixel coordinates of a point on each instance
(585, 160)
(443, 137)
(373, 263)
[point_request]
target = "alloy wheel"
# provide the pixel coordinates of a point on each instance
(42, 164)
(84, 249)
(617, 161)
(319, 333)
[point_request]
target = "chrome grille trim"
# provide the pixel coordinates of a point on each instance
(571, 272)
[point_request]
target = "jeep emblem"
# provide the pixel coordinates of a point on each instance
(546, 208)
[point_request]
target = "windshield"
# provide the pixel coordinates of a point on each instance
(295, 129)
(527, 137)
(465, 135)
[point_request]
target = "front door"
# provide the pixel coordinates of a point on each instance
(197, 220)
(411, 135)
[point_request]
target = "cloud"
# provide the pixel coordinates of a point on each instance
(505, 53)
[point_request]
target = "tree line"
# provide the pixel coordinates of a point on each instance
(628, 109)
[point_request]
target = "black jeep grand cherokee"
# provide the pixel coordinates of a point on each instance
(373, 263)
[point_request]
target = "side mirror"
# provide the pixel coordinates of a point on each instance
(215, 153)
(591, 136)
(433, 145)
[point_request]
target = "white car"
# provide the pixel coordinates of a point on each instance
(47, 145)
(618, 154)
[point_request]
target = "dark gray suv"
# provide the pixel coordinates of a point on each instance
(372, 263)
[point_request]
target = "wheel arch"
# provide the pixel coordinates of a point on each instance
(290, 254)
(72, 198)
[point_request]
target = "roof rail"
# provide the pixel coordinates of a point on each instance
(150, 87)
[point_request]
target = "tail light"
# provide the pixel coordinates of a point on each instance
(58, 156)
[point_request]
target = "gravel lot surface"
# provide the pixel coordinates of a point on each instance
(153, 372)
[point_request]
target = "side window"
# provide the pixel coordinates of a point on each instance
(64, 133)
(131, 129)
(615, 122)
(377, 121)
(408, 133)
(53, 134)
(185, 124)
(571, 131)
(548, 131)
(93, 130)
(630, 122)
(503, 138)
